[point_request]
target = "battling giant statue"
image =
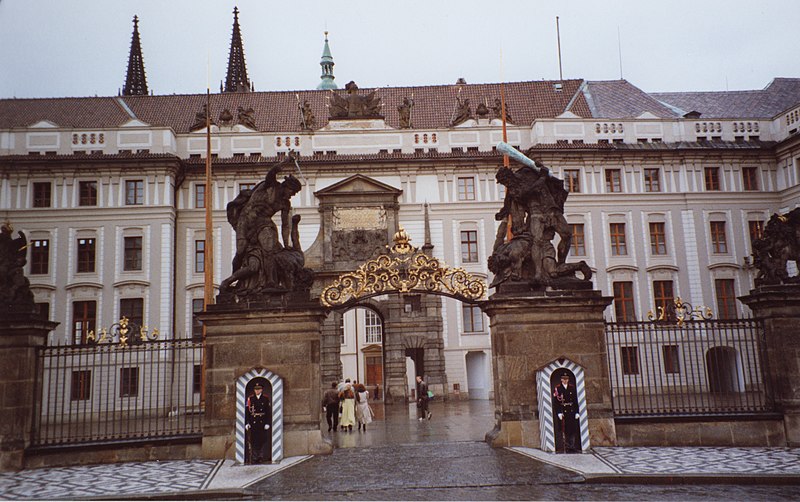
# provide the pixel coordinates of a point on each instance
(531, 216)
(268, 260)
(779, 245)
(15, 289)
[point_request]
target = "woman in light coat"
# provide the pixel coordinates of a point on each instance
(363, 410)
(347, 396)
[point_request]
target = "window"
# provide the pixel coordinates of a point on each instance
(664, 296)
(658, 239)
(199, 256)
(466, 188)
(42, 193)
(340, 330)
(133, 309)
(134, 192)
(85, 255)
(198, 305)
(623, 301)
(750, 178)
(613, 181)
(501, 191)
(43, 309)
(712, 179)
(672, 364)
(652, 180)
(40, 256)
(199, 195)
(87, 193)
(572, 180)
(578, 240)
(246, 186)
(756, 228)
(469, 246)
(373, 327)
(473, 318)
(197, 378)
(726, 299)
(719, 241)
(81, 386)
(630, 360)
(128, 382)
(618, 245)
(84, 319)
(133, 253)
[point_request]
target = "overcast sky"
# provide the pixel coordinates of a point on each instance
(52, 48)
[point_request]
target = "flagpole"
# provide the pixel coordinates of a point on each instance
(506, 162)
(208, 250)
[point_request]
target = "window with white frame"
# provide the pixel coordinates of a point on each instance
(373, 328)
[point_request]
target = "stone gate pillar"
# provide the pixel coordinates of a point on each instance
(21, 334)
(779, 307)
(284, 340)
(529, 330)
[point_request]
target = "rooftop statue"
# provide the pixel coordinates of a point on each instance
(779, 244)
(15, 289)
(266, 263)
(462, 113)
(404, 112)
(307, 120)
(354, 105)
(531, 216)
(246, 117)
(200, 119)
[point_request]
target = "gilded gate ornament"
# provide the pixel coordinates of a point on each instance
(402, 270)
(680, 311)
(124, 333)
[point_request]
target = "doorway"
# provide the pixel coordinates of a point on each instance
(477, 375)
(724, 370)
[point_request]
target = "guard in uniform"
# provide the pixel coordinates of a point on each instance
(565, 405)
(258, 422)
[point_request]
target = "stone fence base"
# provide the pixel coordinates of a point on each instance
(710, 432)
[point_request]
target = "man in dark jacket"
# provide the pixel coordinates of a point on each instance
(258, 422)
(330, 403)
(422, 399)
(565, 405)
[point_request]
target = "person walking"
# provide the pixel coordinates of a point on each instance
(422, 399)
(348, 398)
(364, 413)
(330, 404)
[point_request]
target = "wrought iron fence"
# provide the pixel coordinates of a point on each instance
(121, 389)
(698, 367)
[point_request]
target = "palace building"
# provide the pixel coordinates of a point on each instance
(667, 192)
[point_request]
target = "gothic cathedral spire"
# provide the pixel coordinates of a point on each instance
(327, 67)
(136, 81)
(236, 79)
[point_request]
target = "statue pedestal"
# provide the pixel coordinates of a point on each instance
(531, 330)
(20, 336)
(779, 307)
(285, 341)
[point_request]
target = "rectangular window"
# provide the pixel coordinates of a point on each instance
(726, 299)
(466, 188)
(578, 240)
(756, 229)
(712, 179)
(473, 318)
(572, 180)
(501, 191)
(197, 378)
(623, 301)
(40, 256)
(340, 330)
(133, 309)
(246, 186)
(658, 239)
(373, 328)
(43, 309)
(630, 360)
(613, 181)
(42, 194)
(87, 193)
(750, 178)
(84, 320)
(664, 295)
(672, 364)
(197, 327)
(199, 256)
(128, 382)
(81, 385)
(618, 244)
(652, 180)
(133, 253)
(134, 192)
(719, 241)
(86, 253)
(199, 195)
(469, 246)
